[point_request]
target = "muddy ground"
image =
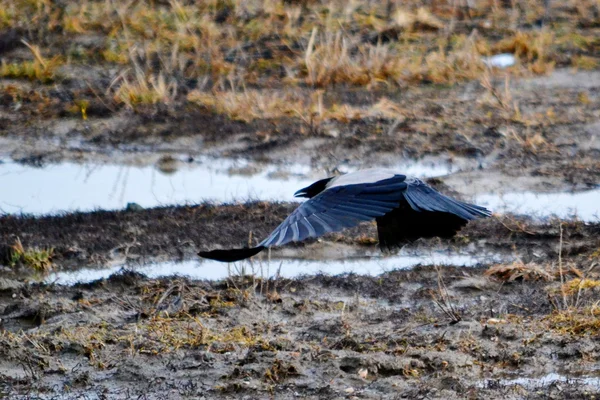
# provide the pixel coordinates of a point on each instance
(553, 141)
(550, 143)
(399, 335)
(316, 337)
(177, 233)
(84, 85)
(445, 332)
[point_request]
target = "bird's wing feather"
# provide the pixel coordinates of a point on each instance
(422, 197)
(337, 208)
(424, 213)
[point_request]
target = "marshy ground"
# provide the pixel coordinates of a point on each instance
(327, 84)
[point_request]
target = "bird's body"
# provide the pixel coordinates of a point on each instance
(405, 209)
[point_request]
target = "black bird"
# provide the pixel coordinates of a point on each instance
(405, 209)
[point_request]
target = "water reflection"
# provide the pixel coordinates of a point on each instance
(583, 205)
(83, 187)
(543, 381)
(69, 186)
(289, 268)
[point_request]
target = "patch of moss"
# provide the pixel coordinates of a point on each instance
(575, 321)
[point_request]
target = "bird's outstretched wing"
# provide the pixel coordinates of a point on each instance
(405, 210)
(331, 210)
(337, 208)
(422, 197)
(424, 213)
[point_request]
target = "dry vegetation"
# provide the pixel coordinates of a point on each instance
(572, 289)
(221, 48)
(39, 260)
(358, 332)
(394, 333)
(406, 77)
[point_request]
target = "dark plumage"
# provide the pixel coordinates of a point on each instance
(405, 209)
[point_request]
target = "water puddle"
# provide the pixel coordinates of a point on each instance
(583, 205)
(288, 268)
(543, 381)
(502, 61)
(71, 186)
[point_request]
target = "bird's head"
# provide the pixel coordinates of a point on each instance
(314, 189)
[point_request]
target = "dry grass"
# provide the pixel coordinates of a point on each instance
(279, 371)
(577, 285)
(157, 335)
(40, 69)
(249, 105)
(144, 89)
(159, 45)
(519, 271)
(501, 99)
(576, 308)
(39, 260)
(157, 332)
(532, 48)
(334, 59)
(576, 321)
(442, 299)
(586, 63)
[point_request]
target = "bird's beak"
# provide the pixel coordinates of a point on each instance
(300, 193)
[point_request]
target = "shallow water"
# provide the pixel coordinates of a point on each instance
(288, 268)
(543, 381)
(583, 205)
(503, 60)
(70, 186)
(84, 187)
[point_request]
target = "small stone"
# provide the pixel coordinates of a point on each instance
(133, 207)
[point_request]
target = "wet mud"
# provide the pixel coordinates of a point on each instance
(522, 326)
(525, 326)
(552, 132)
(426, 333)
(97, 238)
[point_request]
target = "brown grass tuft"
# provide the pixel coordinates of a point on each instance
(519, 271)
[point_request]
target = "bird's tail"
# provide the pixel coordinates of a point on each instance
(231, 255)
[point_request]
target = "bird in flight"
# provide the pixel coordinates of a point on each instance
(404, 208)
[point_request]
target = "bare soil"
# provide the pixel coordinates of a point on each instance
(317, 337)
(554, 135)
(440, 333)
(96, 238)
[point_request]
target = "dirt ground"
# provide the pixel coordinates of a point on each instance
(314, 337)
(328, 84)
(554, 141)
(399, 335)
(171, 233)
(526, 329)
